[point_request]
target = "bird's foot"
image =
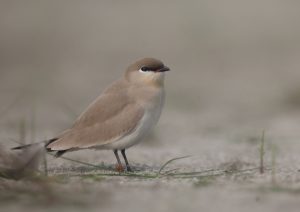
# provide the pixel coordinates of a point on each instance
(119, 168)
(128, 169)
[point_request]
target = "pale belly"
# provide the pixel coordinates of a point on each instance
(146, 124)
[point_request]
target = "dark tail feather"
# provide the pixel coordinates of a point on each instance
(60, 153)
(47, 142)
(22, 147)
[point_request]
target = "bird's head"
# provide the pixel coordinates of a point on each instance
(148, 71)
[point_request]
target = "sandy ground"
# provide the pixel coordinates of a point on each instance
(235, 73)
(229, 178)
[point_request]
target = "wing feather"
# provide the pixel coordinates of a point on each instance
(109, 118)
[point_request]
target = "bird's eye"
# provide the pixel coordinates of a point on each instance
(145, 68)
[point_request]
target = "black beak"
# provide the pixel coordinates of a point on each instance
(163, 69)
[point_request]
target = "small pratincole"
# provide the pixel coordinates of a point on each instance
(121, 116)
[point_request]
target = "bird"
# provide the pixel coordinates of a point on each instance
(123, 114)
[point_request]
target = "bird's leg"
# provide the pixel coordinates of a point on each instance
(119, 166)
(126, 161)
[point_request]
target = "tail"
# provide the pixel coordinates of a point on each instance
(47, 142)
(23, 147)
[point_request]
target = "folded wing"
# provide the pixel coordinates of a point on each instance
(109, 118)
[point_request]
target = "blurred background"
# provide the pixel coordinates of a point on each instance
(236, 60)
(233, 62)
(235, 67)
